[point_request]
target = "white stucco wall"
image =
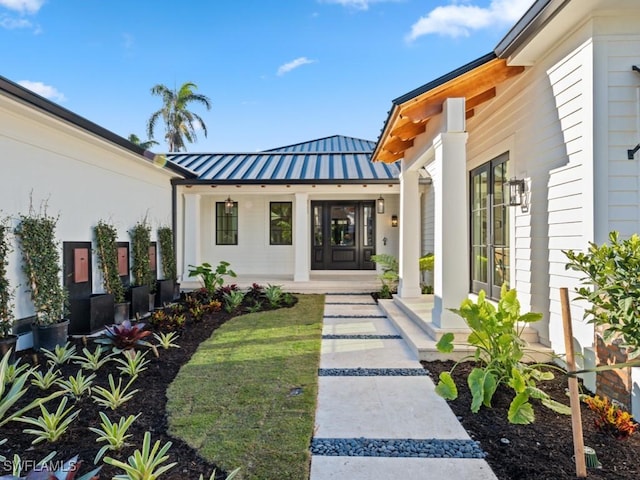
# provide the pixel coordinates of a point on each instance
(79, 176)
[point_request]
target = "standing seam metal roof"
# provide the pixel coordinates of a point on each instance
(335, 158)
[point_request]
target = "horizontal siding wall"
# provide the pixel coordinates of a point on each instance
(542, 117)
(79, 178)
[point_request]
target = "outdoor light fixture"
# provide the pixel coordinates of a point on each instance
(228, 206)
(380, 205)
(631, 153)
(394, 220)
(516, 192)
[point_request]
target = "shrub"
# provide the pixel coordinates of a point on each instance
(610, 418)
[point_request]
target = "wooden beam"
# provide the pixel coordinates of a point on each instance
(388, 157)
(485, 96)
(422, 111)
(469, 113)
(408, 130)
(397, 145)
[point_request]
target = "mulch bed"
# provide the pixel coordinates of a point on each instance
(542, 450)
(150, 402)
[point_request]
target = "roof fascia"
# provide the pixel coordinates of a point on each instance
(27, 96)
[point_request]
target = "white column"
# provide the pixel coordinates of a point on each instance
(301, 238)
(409, 285)
(191, 226)
(451, 242)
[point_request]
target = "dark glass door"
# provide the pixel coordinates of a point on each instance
(343, 235)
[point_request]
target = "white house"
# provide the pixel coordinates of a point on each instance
(288, 213)
(81, 172)
(556, 105)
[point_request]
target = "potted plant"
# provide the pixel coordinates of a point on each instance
(167, 289)
(107, 251)
(7, 339)
(36, 233)
(140, 268)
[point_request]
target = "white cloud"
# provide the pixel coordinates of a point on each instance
(46, 91)
(460, 20)
(298, 62)
(356, 4)
(10, 23)
(23, 6)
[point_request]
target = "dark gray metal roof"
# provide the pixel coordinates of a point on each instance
(327, 160)
(36, 101)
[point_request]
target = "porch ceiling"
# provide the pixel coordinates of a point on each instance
(411, 113)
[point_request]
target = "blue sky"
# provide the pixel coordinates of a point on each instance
(277, 71)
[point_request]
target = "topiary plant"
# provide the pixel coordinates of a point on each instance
(107, 250)
(140, 243)
(6, 291)
(165, 239)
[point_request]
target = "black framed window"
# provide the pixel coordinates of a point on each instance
(226, 224)
(490, 242)
(280, 223)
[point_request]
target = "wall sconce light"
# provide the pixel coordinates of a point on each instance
(631, 153)
(394, 220)
(228, 206)
(380, 205)
(516, 192)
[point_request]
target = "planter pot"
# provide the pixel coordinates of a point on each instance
(152, 301)
(88, 315)
(121, 312)
(6, 343)
(165, 292)
(49, 336)
(139, 298)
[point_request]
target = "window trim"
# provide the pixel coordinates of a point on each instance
(271, 242)
(219, 231)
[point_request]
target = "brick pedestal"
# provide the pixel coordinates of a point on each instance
(614, 384)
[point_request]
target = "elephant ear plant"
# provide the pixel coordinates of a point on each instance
(496, 333)
(41, 265)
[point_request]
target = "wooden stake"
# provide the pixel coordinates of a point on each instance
(576, 417)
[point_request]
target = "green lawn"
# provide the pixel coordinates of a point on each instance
(233, 400)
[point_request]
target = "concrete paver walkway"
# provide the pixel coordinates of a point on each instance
(372, 392)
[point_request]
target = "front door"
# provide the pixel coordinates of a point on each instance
(343, 236)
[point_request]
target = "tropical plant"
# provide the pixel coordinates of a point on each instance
(125, 336)
(36, 233)
(10, 393)
(61, 354)
(46, 380)
(6, 291)
(114, 396)
(496, 334)
(231, 476)
(77, 386)
(93, 361)
(132, 364)
(145, 464)
(179, 122)
(140, 243)
(273, 294)
(165, 340)
(14, 370)
(610, 418)
(233, 300)
(165, 239)
(146, 145)
(611, 287)
(426, 262)
(390, 273)
(67, 471)
(50, 426)
(167, 321)
(114, 434)
(107, 250)
(211, 279)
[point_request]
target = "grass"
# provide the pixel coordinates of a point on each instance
(233, 401)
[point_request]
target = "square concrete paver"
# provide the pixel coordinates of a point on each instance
(367, 353)
(358, 326)
(355, 310)
(369, 468)
(383, 407)
(349, 299)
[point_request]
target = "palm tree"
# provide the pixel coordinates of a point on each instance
(133, 138)
(180, 123)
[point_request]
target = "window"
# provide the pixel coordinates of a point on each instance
(226, 225)
(280, 231)
(490, 258)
